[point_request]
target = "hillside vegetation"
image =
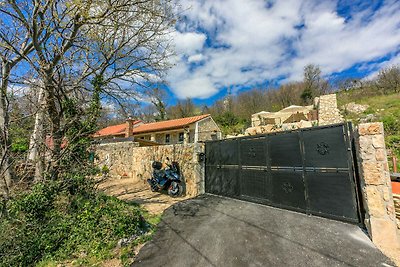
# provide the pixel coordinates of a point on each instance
(384, 108)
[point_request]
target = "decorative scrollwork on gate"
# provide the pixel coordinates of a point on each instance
(323, 148)
(287, 187)
(252, 152)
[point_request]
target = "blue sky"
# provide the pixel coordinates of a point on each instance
(241, 44)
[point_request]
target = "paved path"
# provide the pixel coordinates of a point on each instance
(129, 189)
(215, 231)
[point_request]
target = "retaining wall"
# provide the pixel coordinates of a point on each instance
(127, 160)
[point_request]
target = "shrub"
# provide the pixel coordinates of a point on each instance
(59, 220)
(20, 145)
(391, 123)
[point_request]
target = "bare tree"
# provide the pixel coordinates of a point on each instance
(249, 102)
(314, 84)
(289, 94)
(123, 43)
(388, 80)
(183, 108)
(15, 45)
(158, 98)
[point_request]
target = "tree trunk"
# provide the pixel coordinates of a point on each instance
(55, 138)
(5, 164)
(35, 155)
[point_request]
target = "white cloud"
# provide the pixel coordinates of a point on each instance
(189, 42)
(196, 87)
(335, 44)
(252, 42)
(196, 58)
(394, 61)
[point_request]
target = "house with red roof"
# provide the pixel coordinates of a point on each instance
(178, 131)
(119, 130)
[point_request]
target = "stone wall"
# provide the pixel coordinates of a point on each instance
(376, 185)
(271, 128)
(396, 199)
(325, 106)
(116, 156)
(328, 113)
(128, 160)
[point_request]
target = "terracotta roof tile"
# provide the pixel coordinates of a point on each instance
(119, 129)
(167, 125)
(113, 129)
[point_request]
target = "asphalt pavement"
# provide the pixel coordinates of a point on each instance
(216, 231)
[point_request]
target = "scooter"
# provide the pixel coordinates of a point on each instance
(166, 179)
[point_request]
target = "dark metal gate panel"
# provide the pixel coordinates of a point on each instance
(213, 182)
(230, 182)
(255, 184)
(288, 189)
(222, 181)
(222, 168)
(253, 152)
(326, 149)
(213, 154)
(308, 170)
(329, 177)
(229, 154)
(284, 149)
(331, 193)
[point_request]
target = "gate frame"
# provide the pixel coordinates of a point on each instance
(353, 173)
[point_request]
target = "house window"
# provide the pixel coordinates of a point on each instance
(181, 137)
(167, 138)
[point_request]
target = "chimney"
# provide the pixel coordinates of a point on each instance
(129, 127)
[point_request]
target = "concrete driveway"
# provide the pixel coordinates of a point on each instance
(216, 231)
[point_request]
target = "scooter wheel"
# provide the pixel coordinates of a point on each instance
(175, 189)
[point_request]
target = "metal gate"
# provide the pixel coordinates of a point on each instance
(308, 170)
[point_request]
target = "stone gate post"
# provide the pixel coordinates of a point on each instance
(375, 185)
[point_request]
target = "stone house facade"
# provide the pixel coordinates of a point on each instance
(178, 131)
